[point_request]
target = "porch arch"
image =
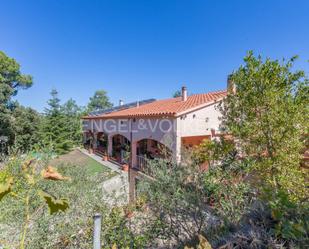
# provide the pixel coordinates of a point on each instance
(152, 148)
(119, 147)
(111, 135)
(148, 149)
(167, 139)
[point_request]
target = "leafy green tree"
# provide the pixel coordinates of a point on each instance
(73, 114)
(268, 116)
(54, 126)
(26, 125)
(11, 80)
(99, 101)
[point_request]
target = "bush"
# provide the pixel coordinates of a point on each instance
(70, 229)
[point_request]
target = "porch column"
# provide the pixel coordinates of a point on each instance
(110, 145)
(132, 184)
(133, 154)
(95, 139)
(178, 149)
(132, 173)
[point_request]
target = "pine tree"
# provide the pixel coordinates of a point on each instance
(55, 128)
(73, 115)
(99, 101)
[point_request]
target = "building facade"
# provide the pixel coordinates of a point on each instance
(153, 128)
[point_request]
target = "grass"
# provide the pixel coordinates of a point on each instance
(77, 158)
(94, 167)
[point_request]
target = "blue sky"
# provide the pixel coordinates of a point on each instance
(144, 49)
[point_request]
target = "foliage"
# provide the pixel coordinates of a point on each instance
(5, 188)
(203, 243)
(267, 115)
(24, 127)
(99, 101)
(125, 237)
(26, 124)
(177, 94)
(73, 113)
(291, 219)
(213, 151)
(22, 184)
(74, 228)
(11, 80)
(55, 129)
(189, 200)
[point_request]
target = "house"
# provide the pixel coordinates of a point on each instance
(153, 128)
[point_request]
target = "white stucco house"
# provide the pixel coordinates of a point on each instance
(145, 127)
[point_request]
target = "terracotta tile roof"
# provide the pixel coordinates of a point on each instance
(167, 107)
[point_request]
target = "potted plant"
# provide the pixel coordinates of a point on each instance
(105, 157)
(125, 167)
(126, 158)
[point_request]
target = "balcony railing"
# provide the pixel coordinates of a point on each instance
(142, 163)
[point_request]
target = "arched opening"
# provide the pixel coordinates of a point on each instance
(101, 142)
(96, 142)
(120, 148)
(149, 149)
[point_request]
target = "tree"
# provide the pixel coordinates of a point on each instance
(268, 117)
(73, 115)
(177, 94)
(177, 198)
(55, 129)
(99, 101)
(11, 80)
(189, 200)
(26, 125)
(267, 114)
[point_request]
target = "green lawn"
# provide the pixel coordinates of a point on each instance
(94, 167)
(78, 159)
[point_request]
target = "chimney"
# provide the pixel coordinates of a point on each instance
(120, 102)
(184, 93)
(231, 88)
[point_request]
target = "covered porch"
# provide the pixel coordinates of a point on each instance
(117, 149)
(96, 142)
(150, 149)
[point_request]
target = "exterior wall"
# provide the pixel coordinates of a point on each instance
(157, 129)
(162, 130)
(200, 122)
